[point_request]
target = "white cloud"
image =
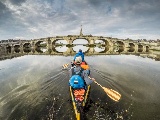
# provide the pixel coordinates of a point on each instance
(127, 19)
(33, 29)
(19, 37)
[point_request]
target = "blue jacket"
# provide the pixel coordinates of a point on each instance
(79, 54)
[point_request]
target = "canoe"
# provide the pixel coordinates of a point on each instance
(79, 99)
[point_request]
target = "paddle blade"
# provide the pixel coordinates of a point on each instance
(65, 66)
(114, 95)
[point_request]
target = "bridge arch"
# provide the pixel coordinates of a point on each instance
(131, 47)
(140, 48)
(147, 48)
(17, 48)
(120, 43)
(39, 50)
(8, 48)
(38, 43)
(120, 49)
(120, 46)
(55, 50)
(55, 41)
(26, 45)
(103, 49)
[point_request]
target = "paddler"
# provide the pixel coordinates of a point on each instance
(83, 64)
(80, 53)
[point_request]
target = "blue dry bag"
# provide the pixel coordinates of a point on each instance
(76, 82)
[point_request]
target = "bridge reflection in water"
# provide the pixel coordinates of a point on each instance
(71, 50)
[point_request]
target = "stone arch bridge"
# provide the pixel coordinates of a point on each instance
(123, 45)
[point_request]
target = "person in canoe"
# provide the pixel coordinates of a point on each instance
(80, 53)
(79, 77)
(83, 64)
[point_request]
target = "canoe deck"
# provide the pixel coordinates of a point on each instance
(79, 99)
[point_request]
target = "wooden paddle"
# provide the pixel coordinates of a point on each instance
(65, 66)
(114, 95)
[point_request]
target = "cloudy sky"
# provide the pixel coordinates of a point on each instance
(31, 19)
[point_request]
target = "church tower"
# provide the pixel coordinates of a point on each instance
(81, 31)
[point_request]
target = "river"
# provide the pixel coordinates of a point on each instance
(34, 87)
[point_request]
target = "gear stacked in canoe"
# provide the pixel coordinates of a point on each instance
(79, 95)
(79, 99)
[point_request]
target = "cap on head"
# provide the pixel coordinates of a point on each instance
(80, 50)
(78, 60)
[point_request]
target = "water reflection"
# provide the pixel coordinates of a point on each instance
(77, 47)
(61, 48)
(101, 49)
(80, 42)
(34, 87)
(97, 49)
(27, 50)
(131, 49)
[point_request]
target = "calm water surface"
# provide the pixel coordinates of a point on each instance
(33, 87)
